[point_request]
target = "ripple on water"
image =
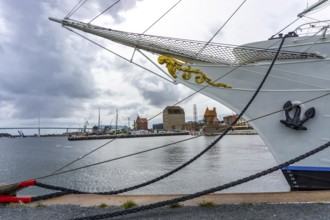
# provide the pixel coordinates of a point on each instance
(234, 157)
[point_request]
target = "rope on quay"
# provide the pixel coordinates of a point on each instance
(208, 191)
(68, 191)
(57, 171)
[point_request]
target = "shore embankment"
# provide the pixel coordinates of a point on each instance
(217, 199)
(107, 136)
(243, 132)
(98, 137)
(248, 206)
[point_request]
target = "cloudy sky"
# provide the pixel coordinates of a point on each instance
(50, 73)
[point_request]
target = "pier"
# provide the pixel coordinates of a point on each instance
(98, 137)
(216, 199)
(38, 129)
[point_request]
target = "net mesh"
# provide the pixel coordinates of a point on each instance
(188, 50)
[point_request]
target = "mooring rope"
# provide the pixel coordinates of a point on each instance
(113, 159)
(194, 93)
(187, 139)
(208, 191)
(79, 158)
(203, 151)
(72, 191)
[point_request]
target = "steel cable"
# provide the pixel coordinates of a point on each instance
(209, 146)
(208, 191)
(104, 11)
(74, 10)
(221, 27)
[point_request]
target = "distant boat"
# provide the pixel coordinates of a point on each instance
(299, 85)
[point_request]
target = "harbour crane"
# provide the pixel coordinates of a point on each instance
(85, 125)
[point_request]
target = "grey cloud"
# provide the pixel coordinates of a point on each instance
(46, 70)
(37, 73)
(91, 9)
(155, 91)
(56, 107)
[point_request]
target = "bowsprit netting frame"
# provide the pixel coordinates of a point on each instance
(186, 50)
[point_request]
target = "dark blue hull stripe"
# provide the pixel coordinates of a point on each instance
(305, 168)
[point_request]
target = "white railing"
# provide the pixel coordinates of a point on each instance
(313, 28)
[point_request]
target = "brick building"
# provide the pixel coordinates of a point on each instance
(173, 118)
(141, 123)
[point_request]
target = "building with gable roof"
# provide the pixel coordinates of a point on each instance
(141, 123)
(211, 123)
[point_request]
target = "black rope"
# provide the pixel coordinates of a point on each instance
(208, 191)
(75, 8)
(221, 27)
(71, 191)
(197, 91)
(286, 27)
(77, 159)
(104, 11)
(116, 158)
(198, 155)
(161, 16)
(48, 196)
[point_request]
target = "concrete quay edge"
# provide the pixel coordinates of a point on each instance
(86, 200)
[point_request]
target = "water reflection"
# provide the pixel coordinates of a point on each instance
(234, 157)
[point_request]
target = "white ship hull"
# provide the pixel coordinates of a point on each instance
(301, 74)
(297, 81)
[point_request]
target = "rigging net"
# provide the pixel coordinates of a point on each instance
(186, 50)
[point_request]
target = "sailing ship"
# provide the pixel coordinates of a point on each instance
(291, 113)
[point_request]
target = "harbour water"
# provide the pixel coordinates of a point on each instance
(232, 158)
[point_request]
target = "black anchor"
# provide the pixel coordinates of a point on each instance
(295, 122)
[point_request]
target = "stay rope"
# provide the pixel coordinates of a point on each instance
(208, 191)
(216, 33)
(94, 150)
(104, 11)
(195, 157)
(166, 145)
(58, 172)
(198, 194)
(75, 8)
(130, 188)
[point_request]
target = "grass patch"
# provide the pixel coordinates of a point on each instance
(175, 205)
(320, 202)
(13, 204)
(206, 204)
(39, 205)
(246, 203)
(103, 205)
(129, 204)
